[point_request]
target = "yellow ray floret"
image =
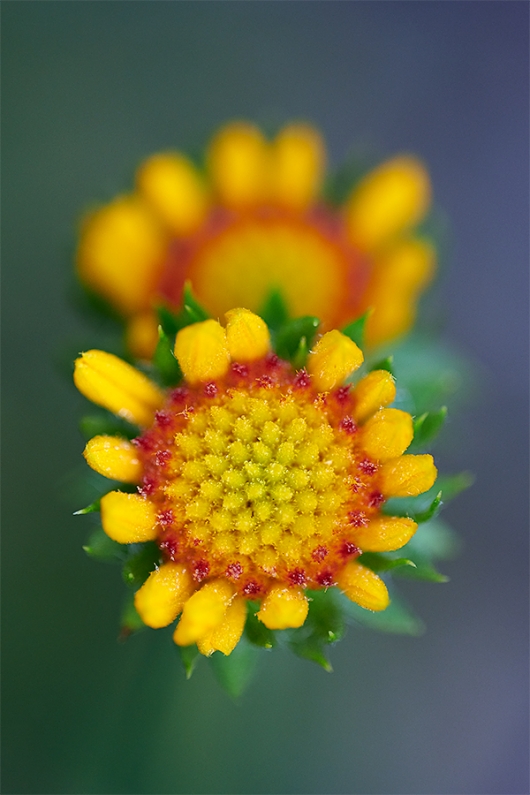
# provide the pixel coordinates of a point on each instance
(298, 160)
(364, 587)
(407, 476)
(202, 351)
(384, 534)
(387, 434)
(172, 186)
(333, 359)
(228, 634)
(203, 612)
(121, 253)
(284, 608)
(163, 595)
(391, 199)
(114, 458)
(247, 335)
(238, 162)
(112, 383)
(128, 518)
(373, 392)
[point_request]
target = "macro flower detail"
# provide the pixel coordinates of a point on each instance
(259, 484)
(256, 221)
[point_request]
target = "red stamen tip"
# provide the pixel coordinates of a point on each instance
(376, 499)
(319, 553)
(347, 424)
(201, 569)
(297, 577)
(210, 389)
(368, 467)
(348, 549)
(358, 518)
(234, 571)
(302, 379)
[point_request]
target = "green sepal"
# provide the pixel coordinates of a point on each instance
(234, 672)
(255, 631)
(422, 570)
(377, 561)
(274, 310)
(383, 364)
(92, 508)
(189, 656)
(434, 540)
(427, 427)
(192, 310)
(398, 618)
(130, 619)
(106, 424)
(100, 547)
(165, 362)
(141, 561)
(324, 625)
(355, 330)
(424, 507)
(296, 334)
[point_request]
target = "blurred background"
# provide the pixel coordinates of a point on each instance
(88, 90)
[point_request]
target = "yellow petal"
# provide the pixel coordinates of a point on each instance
(297, 166)
(128, 518)
(391, 199)
(203, 612)
(238, 159)
(384, 534)
(142, 335)
(226, 637)
(202, 351)
(333, 359)
(114, 458)
(112, 383)
(247, 335)
(363, 586)
(121, 253)
(373, 392)
(407, 476)
(284, 608)
(162, 596)
(171, 184)
(387, 434)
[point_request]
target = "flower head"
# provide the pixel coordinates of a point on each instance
(255, 480)
(257, 221)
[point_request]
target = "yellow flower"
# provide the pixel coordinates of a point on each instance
(257, 482)
(256, 221)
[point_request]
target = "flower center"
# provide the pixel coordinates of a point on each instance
(259, 478)
(281, 247)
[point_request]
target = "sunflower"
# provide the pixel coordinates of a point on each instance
(256, 482)
(254, 222)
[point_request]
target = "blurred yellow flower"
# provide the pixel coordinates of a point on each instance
(256, 221)
(256, 481)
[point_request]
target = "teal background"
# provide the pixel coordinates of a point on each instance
(88, 90)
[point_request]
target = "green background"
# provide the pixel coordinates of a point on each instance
(88, 90)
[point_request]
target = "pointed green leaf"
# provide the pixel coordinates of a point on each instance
(274, 310)
(311, 648)
(189, 656)
(165, 362)
(397, 618)
(235, 671)
(292, 334)
(130, 620)
(355, 330)
(100, 547)
(255, 631)
(433, 540)
(299, 359)
(423, 570)
(427, 427)
(407, 506)
(168, 320)
(191, 307)
(377, 561)
(108, 425)
(384, 364)
(92, 508)
(141, 561)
